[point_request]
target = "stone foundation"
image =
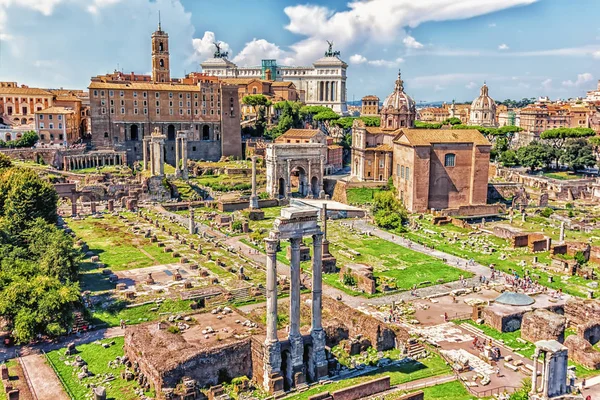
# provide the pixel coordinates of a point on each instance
(582, 352)
(543, 325)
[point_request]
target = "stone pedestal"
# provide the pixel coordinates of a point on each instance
(255, 214)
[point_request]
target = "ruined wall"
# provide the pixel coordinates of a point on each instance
(356, 392)
(543, 325)
(580, 312)
(52, 157)
(590, 331)
(241, 205)
(365, 280)
(502, 323)
(476, 210)
(503, 191)
(582, 352)
(347, 322)
(595, 254)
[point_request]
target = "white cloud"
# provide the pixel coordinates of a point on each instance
(492, 25)
(471, 85)
(596, 54)
(204, 47)
(582, 79)
(547, 84)
(379, 21)
(386, 63)
(446, 79)
(503, 46)
(438, 88)
(260, 49)
(357, 59)
(412, 43)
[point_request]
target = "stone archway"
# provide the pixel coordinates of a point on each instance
(205, 132)
(171, 132)
(281, 187)
(134, 135)
(314, 187)
(299, 181)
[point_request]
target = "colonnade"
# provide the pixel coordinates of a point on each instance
(554, 370)
(153, 151)
(93, 160)
(327, 90)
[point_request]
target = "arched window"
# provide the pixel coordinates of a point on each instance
(160, 46)
(105, 134)
(253, 90)
(449, 160)
(162, 63)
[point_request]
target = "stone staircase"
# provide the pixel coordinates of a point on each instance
(240, 295)
(79, 323)
(415, 350)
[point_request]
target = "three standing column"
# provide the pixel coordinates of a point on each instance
(295, 337)
(272, 354)
(318, 368)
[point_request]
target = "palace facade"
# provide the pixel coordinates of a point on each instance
(322, 84)
(127, 108)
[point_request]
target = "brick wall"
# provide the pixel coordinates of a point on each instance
(357, 391)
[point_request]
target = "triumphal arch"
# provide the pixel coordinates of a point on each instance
(296, 165)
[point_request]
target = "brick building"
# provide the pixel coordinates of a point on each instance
(369, 106)
(440, 168)
(57, 125)
(18, 104)
(126, 108)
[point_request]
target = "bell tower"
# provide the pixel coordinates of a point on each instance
(160, 56)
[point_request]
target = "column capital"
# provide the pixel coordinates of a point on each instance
(271, 245)
(295, 243)
(317, 238)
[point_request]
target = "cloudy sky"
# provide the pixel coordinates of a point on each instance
(445, 48)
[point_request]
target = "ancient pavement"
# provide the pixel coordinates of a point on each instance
(43, 381)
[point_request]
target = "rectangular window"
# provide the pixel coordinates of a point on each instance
(112, 110)
(60, 137)
(122, 94)
(42, 116)
(111, 93)
(181, 104)
(407, 173)
(157, 95)
(51, 125)
(49, 116)
(60, 117)
(41, 125)
(157, 103)
(449, 160)
(398, 170)
(180, 111)
(134, 94)
(102, 93)
(170, 111)
(122, 110)
(135, 111)
(95, 93)
(158, 111)
(135, 103)
(402, 172)
(170, 95)
(145, 111)
(145, 95)
(181, 95)
(59, 125)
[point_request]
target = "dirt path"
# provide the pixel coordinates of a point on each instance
(44, 382)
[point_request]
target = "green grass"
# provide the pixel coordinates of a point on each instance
(575, 285)
(451, 390)
(118, 248)
(527, 349)
(97, 359)
(432, 366)
(361, 195)
(400, 267)
(135, 315)
(563, 175)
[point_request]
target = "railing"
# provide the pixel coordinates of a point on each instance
(62, 382)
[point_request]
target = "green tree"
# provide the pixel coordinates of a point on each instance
(452, 121)
(428, 125)
(388, 211)
(509, 158)
(578, 154)
(535, 155)
(261, 104)
(24, 197)
(558, 137)
(5, 161)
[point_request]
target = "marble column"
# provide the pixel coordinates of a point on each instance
(295, 338)
(272, 354)
(322, 188)
(254, 197)
(562, 232)
(310, 193)
(177, 157)
(536, 355)
(288, 181)
(192, 225)
(319, 358)
(145, 154)
(184, 150)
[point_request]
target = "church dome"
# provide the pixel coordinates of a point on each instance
(484, 101)
(399, 100)
(514, 299)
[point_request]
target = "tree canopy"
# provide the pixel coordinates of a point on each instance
(38, 262)
(388, 211)
(536, 155)
(28, 139)
(578, 154)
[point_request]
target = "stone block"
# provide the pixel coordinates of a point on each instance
(543, 325)
(582, 352)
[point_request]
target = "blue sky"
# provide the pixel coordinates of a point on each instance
(445, 48)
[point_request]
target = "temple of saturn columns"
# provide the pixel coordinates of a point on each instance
(154, 146)
(284, 361)
(181, 155)
(554, 367)
(306, 161)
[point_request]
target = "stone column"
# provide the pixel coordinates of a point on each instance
(386, 166)
(562, 232)
(545, 377)
(152, 169)
(73, 206)
(272, 354)
(288, 181)
(310, 193)
(534, 373)
(295, 338)
(177, 161)
(254, 197)
(322, 190)
(319, 367)
(184, 150)
(375, 167)
(192, 225)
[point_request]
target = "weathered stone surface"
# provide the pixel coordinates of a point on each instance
(543, 325)
(580, 312)
(582, 352)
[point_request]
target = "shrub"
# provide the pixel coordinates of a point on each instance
(173, 329)
(580, 258)
(348, 279)
(547, 212)
(569, 206)
(236, 226)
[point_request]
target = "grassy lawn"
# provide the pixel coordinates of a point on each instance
(116, 247)
(361, 195)
(432, 366)
(97, 359)
(468, 249)
(135, 315)
(527, 349)
(399, 267)
(452, 390)
(563, 175)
